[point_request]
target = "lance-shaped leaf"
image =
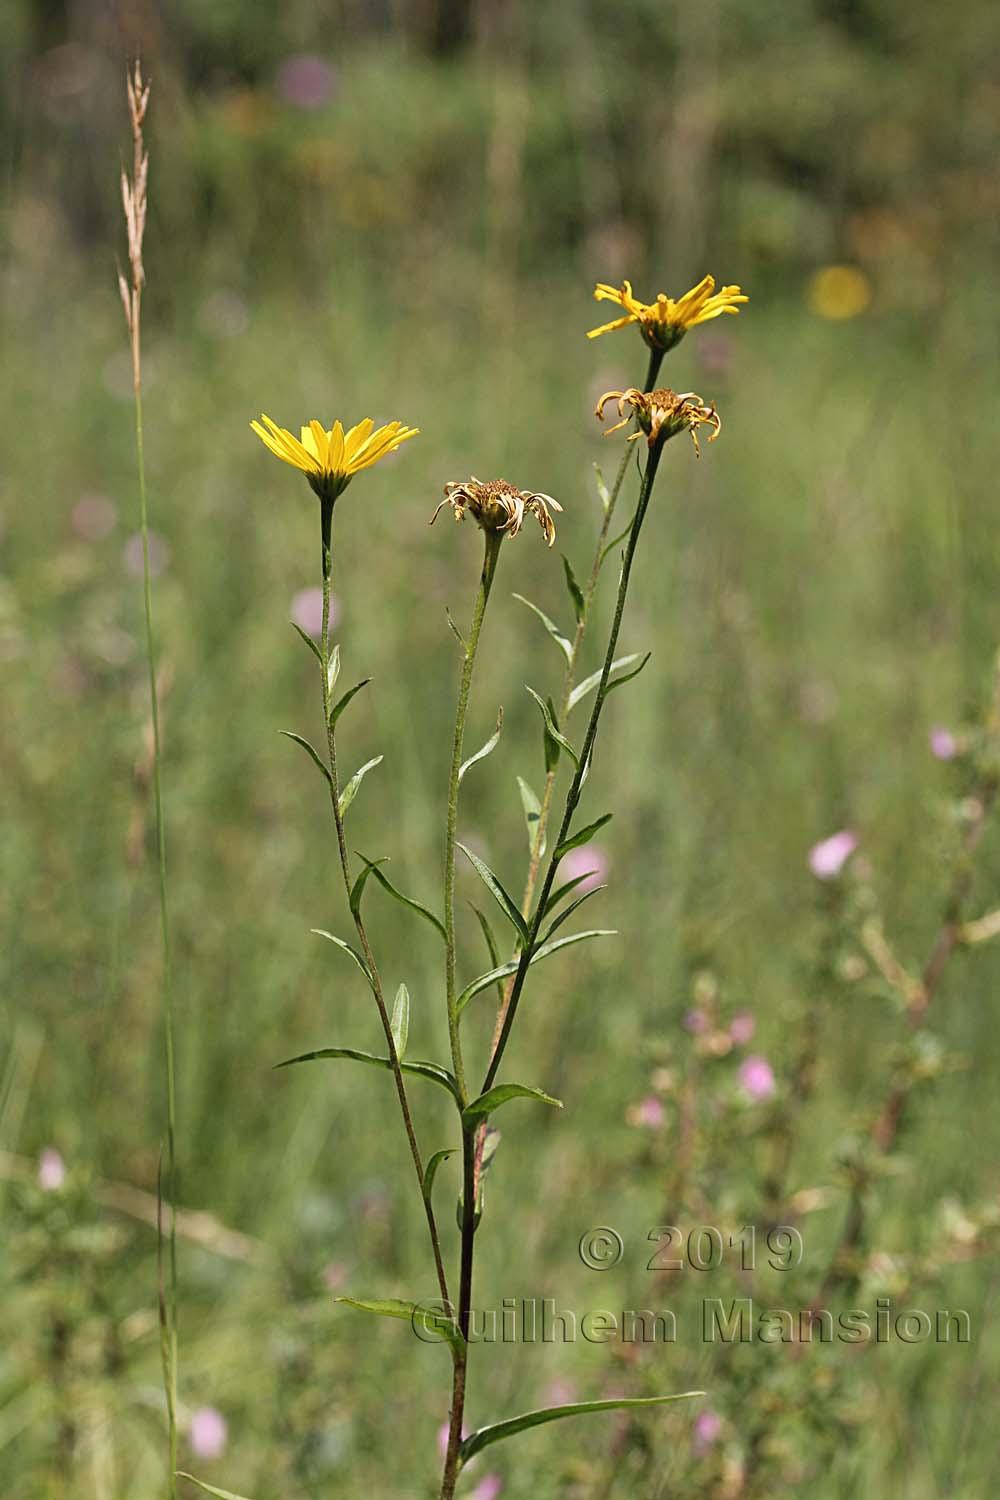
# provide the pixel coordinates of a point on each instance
(455, 630)
(350, 791)
(589, 683)
(532, 815)
(574, 840)
(332, 670)
(486, 1436)
(305, 636)
(602, 488)
(575, 591)
(571, 908)
(417, 1314)
(491, 946)
(615, 540)
(310, 751)
(431, 1170)
(496, 889)
(341, 704)
(487, 749)
(331, 937)
(545, 951)
(552, 730)
(432, 1071)
(499, 1094)
(209, 1489)
(358, 888)
(388, 886)
(400, 1023)
(550, 626)
(563, 890)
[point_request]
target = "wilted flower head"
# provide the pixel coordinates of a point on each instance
(829, 856)
(499, 506)
(664, 323)
(661, 414)
(330, 460)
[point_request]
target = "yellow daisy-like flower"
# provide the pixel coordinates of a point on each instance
(664, 323)
(661, 414)
(330, 460)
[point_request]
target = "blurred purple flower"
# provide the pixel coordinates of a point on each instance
(488, 1488)
(648, 1112)
(707, 1430)
(559, 1392)
(208, 1433)
(334, 1275)
(51, 1170)
(829, 856)
(307, 611)
(589, 860)
(943, 743)
(757, 1077)
(741, 1027)
(696, 1022)
(306, 81)
(93, 517)
(159, 554)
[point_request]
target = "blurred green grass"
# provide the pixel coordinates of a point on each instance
(817, 593)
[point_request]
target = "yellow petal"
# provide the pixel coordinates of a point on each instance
(609, 327)
(319, 437)
(275, 440)
(335, 451)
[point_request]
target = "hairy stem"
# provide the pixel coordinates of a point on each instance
(493, 541)
(461, 1356)
(345, 865)
(576, 785)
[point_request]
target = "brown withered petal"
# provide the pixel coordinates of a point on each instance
(499, 506)
(661, 414)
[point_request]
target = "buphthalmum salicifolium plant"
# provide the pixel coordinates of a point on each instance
(532, 927)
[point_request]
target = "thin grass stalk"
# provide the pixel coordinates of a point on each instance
(326, 521)
(134, 205)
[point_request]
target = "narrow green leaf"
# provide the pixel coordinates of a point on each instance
(532, 814)
(358, 888)
(551, 727)
(333, 671)
(431, 1071)
(615, 540)
(431, 1170)
(550, 626)
(305, 636)
(589, 683)
(576, 839)
(455, 630)
(401, 1021)
(575, 591)
(350, 791)
(571, 908)
(431, 1319)
(353, 952)
(210, 1489)
(341, 703)
(602, 488)
(491, 945)
(617, 682)
(312, 754)
(388, 886)
(498, 1095)
(503, 970)
(487, 749)
(486, 1436)
(557, 895)
(496, 889)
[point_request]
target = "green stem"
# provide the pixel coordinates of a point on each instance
(326, 522)
(569, 681)
(170, 1347)
(452, 1461)
(492, 552)
(576, 785)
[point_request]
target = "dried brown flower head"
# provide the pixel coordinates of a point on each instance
(499, 506)
(661, 414)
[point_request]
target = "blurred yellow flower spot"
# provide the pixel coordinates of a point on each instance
(663, 323)
(838, 292)
(330, 460)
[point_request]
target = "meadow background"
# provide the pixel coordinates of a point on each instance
(399, 209)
